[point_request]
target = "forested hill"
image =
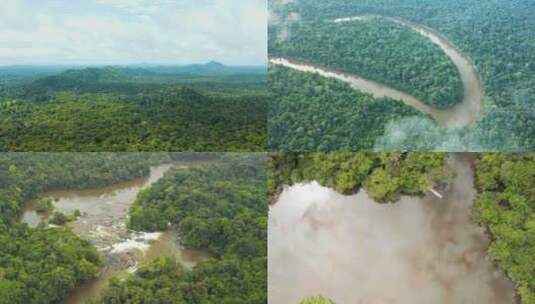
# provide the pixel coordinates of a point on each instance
(210, 68)
(137, 79)
(82, 80)
(208, 107)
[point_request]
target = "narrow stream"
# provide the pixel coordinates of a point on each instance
(103, 223)
(354, 250)
(464, 113)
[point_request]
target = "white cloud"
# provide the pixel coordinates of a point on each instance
(133, 31)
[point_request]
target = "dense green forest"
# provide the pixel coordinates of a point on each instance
(498, 35)
(312, 113)
(506, 206)
(220, 208)
(196, 108)
(40, 265)
(505, 202)
(376, 49)
(385, 176)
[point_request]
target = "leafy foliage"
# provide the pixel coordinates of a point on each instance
(377, 49)
(23, 176)
(312, 113)
(498, 35)
(44, 205)
(158, 282)
(385, 176)
(506, 206)
(220, 208)
(42, 265)
(112, 109)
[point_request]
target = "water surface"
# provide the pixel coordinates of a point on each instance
(354, 250)
(103, 223)
(466, 112)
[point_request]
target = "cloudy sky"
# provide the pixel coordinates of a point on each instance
(133, 31)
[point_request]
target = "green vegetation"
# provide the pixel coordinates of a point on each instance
(43, 265)
(44, 205)
(316, 300)
(59, 218)
(379, 50)
(158, 282)
(385, 176)
(217, 207)
(312, 113)
(136, 109)
(26, 175)
(220, 208)
(506, 206)
(498, 35)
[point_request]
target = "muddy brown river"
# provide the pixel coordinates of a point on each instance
(356, 251)
(464, 113)
(103, 223)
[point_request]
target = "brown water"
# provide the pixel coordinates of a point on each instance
(103, 223)
(466, 112)
(354, 250)
(168, 244)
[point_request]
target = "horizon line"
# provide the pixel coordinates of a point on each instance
(131, 64)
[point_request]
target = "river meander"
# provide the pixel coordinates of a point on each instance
(464, 113)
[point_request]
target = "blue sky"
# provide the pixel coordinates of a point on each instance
(133, 31)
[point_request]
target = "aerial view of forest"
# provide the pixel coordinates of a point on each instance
(205, 107)
(466, 66)
(267, 152)
(133, 228)
(114, 75)
(434, 228)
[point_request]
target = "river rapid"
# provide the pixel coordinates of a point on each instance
(354, 250)
(464, 113)
(103, 223)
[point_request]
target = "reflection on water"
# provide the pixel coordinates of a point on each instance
(104, 213)
(354, 250)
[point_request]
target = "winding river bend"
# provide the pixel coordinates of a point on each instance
(464, 113)
(419, 250)
(103, 223)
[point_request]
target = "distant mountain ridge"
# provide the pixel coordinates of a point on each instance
(28, 70)
(209, 68)
(134, 78)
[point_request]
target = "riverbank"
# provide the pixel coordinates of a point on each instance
(422, 249)
(103, 222)
(465, 113)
